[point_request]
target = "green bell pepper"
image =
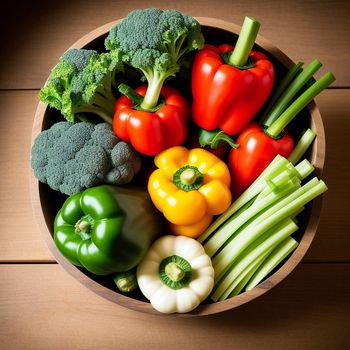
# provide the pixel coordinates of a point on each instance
(106, 229)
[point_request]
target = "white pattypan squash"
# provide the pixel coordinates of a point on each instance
(176, 274)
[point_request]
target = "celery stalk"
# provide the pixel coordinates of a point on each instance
(221, 259)
(266, 242)
(278, 183)
(231, 226)
(275, 167)
(291, 75)
(290, 92)
(273, 259)
(240, 286)
(301, 102)
(278, 212)
(302, 170)
(248, 271)
(302, 146)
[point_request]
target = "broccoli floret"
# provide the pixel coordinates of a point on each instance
(123, 155)
(71, 157)
(83, 82)
(154, 41)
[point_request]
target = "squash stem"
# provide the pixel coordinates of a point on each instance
(174, 272)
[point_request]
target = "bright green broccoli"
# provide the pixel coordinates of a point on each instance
(72, 157)
(82, 82)
(154, 41)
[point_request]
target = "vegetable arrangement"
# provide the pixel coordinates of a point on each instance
(222, 199)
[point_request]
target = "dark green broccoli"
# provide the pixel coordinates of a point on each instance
(72, 157)
(154, 41)
(82, 82)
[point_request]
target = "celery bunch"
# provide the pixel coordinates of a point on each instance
(253, 236)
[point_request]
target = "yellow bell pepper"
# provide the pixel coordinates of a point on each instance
(189, 187)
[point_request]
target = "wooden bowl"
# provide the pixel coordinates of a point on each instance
(46, 202)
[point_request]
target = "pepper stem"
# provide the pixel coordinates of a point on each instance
(215, 138)
(126, 90)
(188, 178)
(82, 226)
(245, 42)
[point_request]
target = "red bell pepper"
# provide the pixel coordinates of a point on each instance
(255, 152)
(151, 132)
(259, 144)
(230, 85)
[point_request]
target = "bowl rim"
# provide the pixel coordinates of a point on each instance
(317, 159)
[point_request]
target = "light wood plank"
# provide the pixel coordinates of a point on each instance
(42, 307)
(21, 240)
(312, 29)
(332, 241)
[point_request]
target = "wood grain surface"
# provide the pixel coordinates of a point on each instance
(304, 30)
(43, 307)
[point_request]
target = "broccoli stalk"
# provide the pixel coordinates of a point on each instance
(154, 41)
(156, 75)
(82, 82)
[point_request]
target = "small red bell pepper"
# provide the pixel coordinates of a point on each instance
(260, 144)
(230, 85)
(255, 152)
(151, 132)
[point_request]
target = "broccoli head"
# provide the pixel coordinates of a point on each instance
(83, 82)
(72, 157)
(154, 41)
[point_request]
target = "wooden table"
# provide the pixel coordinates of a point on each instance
(43, 307)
